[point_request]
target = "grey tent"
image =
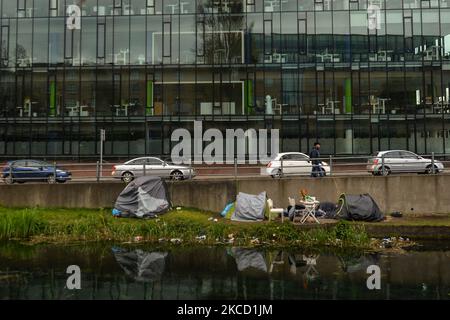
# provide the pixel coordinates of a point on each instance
(143, 197)
(141, 265)
(249, 207)
(360, 207)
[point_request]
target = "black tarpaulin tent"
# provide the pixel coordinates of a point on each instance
(359, 207)
(143, 197)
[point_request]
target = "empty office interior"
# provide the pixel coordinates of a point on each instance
(357, 75)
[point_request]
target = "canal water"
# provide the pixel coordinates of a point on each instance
(149, 272)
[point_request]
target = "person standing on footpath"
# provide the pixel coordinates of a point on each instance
(314, 157)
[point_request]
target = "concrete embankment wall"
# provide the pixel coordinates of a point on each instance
(405, 193)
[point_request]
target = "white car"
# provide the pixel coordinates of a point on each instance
(292, 163)
(401, 161)
(152, 167)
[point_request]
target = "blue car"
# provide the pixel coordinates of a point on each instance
(21, 171)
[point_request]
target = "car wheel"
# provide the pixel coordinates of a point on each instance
(277, 174)
(8, 180)
(51, 179)
(177, 175)
(429, 170)
(127, 177)
(62, 181)
(387, 171)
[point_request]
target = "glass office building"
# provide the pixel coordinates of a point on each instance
(357, 75)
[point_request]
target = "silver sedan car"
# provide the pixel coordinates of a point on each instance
(401, 161)
(151, 166)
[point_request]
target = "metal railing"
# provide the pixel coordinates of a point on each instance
(65, 171)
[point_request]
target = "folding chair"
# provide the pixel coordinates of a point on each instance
(310, 211)
(278, 260)
(274, 210)
(311, 263)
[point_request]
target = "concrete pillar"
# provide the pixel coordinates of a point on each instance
(348, 140)
(269, 109)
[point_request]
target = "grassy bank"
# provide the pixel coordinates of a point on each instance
(181, 226)
(416, 226)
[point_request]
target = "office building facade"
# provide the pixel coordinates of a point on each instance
(357, 75)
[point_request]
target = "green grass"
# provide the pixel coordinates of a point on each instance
(21, 224)
(64, 225)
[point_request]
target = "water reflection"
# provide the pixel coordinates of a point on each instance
(248, 259)
(361, 263)
(123, 272)
(141, 265)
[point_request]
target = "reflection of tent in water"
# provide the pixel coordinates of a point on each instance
(251, 264)
(140, 265)
(353, 264)
(248, 258)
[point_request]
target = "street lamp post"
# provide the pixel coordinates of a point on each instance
(102, 140)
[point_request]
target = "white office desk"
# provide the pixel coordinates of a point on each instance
(173, 6)
(24, 111)
(329, 106)
(30, 12)
(84, 111)
(74, 111)
(182, 4)
(227, 108)
(381, 105)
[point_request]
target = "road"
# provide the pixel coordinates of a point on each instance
(82, 172)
